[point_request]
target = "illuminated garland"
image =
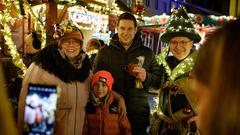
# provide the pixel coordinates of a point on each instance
(199, 19)
(16, 7)
(5, 18)
(67, 1)
(184, 67)
(161, 60)
(39, 23)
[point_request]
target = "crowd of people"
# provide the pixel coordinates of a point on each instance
(105, 89)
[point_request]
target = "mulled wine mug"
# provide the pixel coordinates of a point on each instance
(129, 68)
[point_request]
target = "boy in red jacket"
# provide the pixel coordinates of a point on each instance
(102, 117)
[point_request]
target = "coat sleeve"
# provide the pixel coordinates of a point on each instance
(154, 74)
(125, 127)
(98, 62)
(30, 73)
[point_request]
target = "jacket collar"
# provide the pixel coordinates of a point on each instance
(50, 60)
(137, 42)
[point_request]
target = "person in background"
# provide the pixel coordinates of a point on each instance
(31, 47)
(93, 45)
(216, 78)
(102, 116)
(102, 43)
(134, 68)
(8, 126)
(177, 103)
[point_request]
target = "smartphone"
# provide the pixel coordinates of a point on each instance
(39, 115)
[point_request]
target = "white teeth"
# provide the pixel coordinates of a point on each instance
(70, 50)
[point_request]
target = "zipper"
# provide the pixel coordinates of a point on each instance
(75, 109)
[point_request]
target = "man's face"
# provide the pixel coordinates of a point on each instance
(126, 31)
(100, 89)
(180, 47)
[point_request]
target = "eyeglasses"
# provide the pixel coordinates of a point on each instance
(181, 43)
(72, 41)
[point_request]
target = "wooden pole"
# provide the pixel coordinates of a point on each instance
(234, 9)
(51, 18)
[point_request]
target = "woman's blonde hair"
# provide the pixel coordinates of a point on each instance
(218, 67)
(8, 127)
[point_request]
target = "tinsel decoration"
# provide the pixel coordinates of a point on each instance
(38, 21)
(183, 67)
(67, 1)
(5, 18)
(16, 6)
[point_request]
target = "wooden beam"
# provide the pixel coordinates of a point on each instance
(62, 13)
(234, 9)
(51, 18)
(2, 6)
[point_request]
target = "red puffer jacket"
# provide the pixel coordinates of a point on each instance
(104, 120)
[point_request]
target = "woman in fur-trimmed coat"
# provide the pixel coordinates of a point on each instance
(68, 67)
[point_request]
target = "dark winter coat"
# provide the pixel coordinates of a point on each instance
(115, 58)
(105, 120)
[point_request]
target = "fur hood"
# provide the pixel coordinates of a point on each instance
(51, 60)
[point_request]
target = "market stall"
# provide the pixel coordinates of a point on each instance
(153, 27)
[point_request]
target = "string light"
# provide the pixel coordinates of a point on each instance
(66, 1)
(5, 18)
(184, 67)
(38, 23)
(206, 20)
(94, 21)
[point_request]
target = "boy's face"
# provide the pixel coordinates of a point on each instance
(100, 89)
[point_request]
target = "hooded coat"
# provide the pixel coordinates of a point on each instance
(103, 119)
(50, 68)
(114, 58)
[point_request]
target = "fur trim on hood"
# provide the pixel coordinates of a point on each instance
(50, 60)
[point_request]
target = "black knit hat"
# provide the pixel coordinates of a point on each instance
(180, 25)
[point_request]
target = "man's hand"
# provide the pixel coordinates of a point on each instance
(121, 104)
(140, 73)
(122, 108)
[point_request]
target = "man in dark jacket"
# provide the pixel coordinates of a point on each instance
(134, 68)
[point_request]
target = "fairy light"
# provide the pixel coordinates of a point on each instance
(184, 67)
(38, 23)
(94, 21)
(66, 1)
(16, 6)
(6, 32)
(207, 20)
